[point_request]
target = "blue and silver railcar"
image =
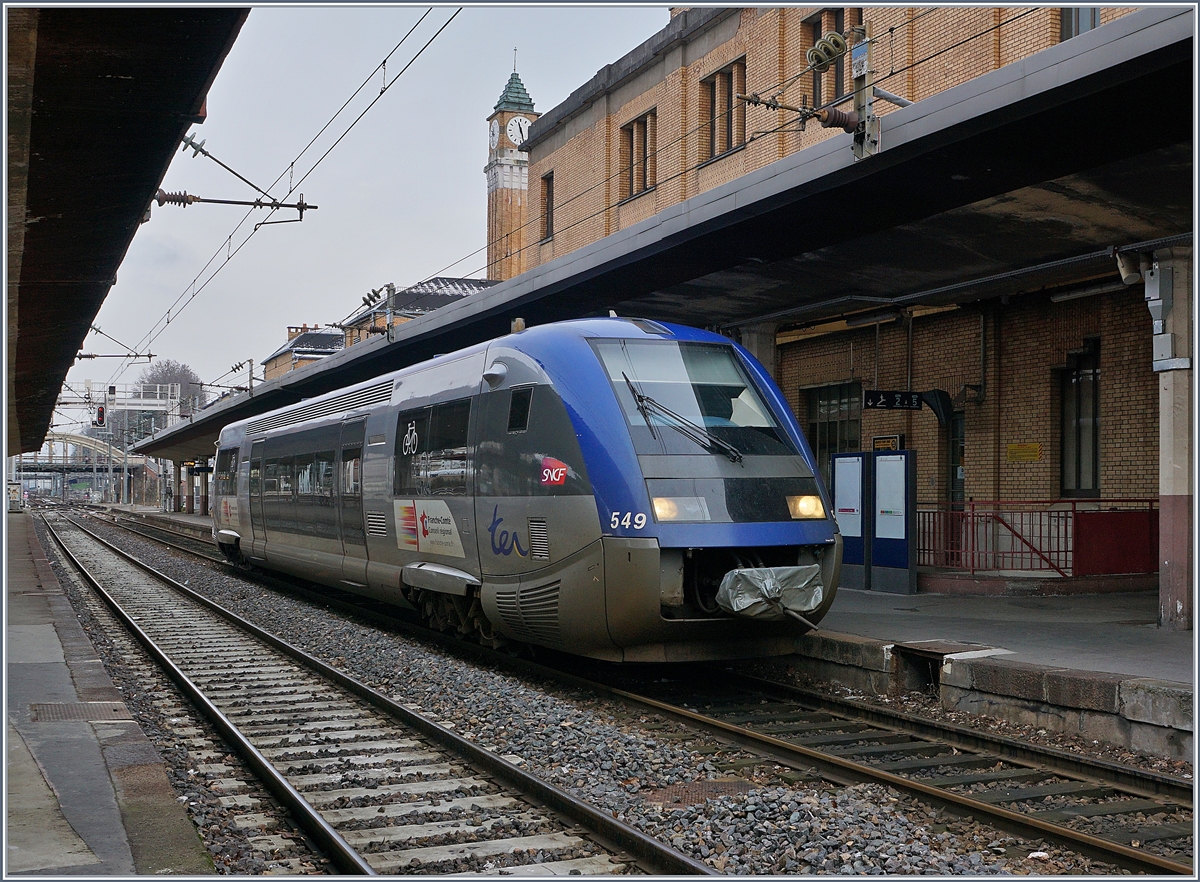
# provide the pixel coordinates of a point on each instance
(620, 489)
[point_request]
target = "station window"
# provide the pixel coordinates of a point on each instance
(722, 115)
(638, 146)
(1081, 423)
(834, 422)
(548, 206)
(1076, 20)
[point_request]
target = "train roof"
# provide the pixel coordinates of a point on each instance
(533, 340)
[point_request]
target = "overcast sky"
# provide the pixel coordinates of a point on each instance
(401, 198)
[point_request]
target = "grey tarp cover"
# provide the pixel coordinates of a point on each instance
(748, 592)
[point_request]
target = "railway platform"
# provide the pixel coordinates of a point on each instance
(87, 792)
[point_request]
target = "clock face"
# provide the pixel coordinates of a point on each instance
(518, 129)
(494, 133)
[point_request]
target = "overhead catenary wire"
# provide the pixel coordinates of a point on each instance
(179, 304)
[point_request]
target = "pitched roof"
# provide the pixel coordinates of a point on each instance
(514, 96)
(426, 296)
(318, 342)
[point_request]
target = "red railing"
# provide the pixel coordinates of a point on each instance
(1055, 536)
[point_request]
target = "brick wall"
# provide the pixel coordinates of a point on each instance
(1029, 342)
(920, 51)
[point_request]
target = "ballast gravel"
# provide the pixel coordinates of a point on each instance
(624, 764)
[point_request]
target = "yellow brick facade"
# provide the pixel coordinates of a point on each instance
(920, 51)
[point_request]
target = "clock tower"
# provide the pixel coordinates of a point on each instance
(507, 173)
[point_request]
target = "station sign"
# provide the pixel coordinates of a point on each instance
(890, 400)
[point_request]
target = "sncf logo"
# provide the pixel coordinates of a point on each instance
(554, 472)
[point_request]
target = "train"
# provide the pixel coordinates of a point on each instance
(622, 489)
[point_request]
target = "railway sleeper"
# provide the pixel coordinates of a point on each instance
(1026, 794)
(1150, 834)
(928, 748)
(431, 856)
(375, 838)
(962, 760)
(986, 777)
(1124, 807)
(865, 736)
(420, 807)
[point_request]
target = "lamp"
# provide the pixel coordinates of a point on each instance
(1127, 266)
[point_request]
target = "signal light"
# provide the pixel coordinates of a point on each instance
(100, 417)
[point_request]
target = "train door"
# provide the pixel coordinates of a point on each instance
(258, 533)
(350, 503)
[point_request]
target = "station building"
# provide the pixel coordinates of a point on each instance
(1072, 395)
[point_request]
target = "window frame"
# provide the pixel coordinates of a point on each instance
(638, 149)
(723, 117)
(848, 401)
(1079, 385)
(1072, 21)
(548, 206)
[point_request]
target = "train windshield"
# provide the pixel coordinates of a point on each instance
(678, 396)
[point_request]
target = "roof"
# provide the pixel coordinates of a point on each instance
(514, 96)
(311, 343)
(99, 99)
(424, 297)
(688, 25)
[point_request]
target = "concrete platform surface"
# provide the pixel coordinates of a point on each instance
(87, 792)
(1109, 633)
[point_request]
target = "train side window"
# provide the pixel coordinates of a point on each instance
(225, 477)
(446, 466)
(323, 486)
(352, 471)
(518, 409)
(306, 472)
(286, 478)
(271, 477)
(412, 447)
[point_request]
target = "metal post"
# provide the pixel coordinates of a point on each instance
(866, 136)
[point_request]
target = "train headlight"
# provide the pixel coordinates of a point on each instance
(805, 507)
(680, 508)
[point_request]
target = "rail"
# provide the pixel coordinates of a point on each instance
(1066, 537)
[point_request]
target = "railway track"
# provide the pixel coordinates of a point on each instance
(1135, 819)
(1140, 821)
(379, 787)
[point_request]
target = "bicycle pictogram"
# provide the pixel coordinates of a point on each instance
(411, 441)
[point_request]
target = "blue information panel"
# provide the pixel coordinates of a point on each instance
(852, 488)
(874, 502)
(894, 516)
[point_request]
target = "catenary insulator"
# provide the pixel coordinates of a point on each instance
(180, 198)
(847, 120)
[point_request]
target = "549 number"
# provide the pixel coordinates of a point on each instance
(626, 519)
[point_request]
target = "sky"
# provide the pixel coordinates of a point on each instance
(401, 198)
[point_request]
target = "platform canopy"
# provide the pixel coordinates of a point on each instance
(98, 99)
(1024, 179)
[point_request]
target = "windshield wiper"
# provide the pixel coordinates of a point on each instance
(681, 424)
